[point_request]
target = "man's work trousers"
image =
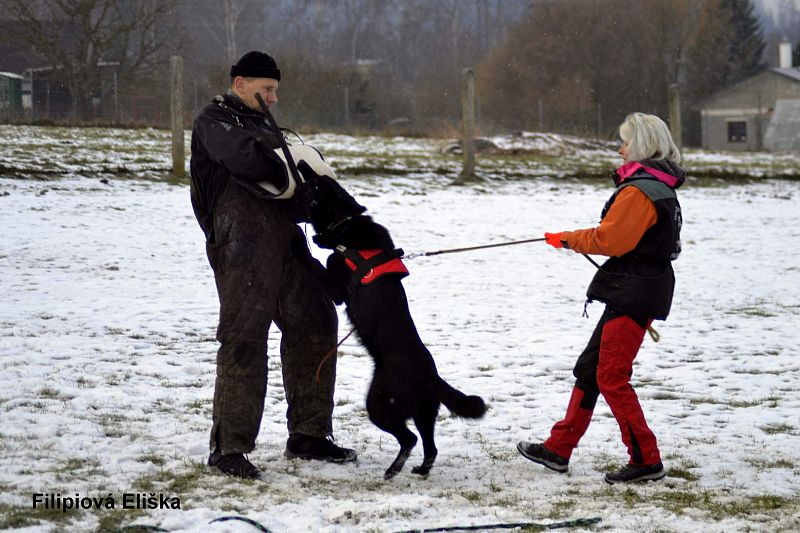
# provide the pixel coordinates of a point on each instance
(264, 273)
(605, 367)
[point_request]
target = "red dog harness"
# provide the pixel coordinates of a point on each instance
(369, 265)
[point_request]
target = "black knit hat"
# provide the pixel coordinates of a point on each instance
(256, 65)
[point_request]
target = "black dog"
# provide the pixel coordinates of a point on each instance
(405, 383)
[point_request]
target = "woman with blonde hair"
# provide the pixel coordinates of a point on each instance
(640, 233)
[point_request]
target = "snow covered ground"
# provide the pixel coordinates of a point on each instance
(107, 355)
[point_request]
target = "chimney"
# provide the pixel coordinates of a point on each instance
(785, 54)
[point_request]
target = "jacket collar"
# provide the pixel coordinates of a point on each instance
(664, 171)
(235, 104)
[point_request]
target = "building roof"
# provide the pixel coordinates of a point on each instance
(793, 73)
(12, 75)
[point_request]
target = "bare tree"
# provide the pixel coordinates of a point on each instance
(228, 23)
(78, 37)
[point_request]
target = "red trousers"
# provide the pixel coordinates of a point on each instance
(605, 367)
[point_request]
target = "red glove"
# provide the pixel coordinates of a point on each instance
(554, 240)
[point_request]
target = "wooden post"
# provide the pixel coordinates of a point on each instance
(347, 108)
(116, 100)
(468, 125)
(599, 124)
(675, 115)
(176, 119)
(541, 115)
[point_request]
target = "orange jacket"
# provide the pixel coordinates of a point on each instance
(629, 217)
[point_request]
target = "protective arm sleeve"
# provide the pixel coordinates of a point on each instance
(629, 217)
(238, 150)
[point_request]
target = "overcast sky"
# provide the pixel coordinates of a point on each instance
(772, 6)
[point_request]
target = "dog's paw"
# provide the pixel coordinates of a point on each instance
(421, 470)
(391, 472)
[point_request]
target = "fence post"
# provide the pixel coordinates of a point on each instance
(347, 124)
(176, 119)
(467, 126)
(541, 115)
(675, 127)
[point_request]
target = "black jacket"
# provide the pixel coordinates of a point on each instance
(231, 143)
(641, 282)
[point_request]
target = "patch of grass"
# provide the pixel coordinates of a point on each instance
(112, 520)
(83, 383)
(683, 471)
(679, 500)
(176, 483)
(343, 401)
(562, 508)
(704, 400)
(665, 396)
(757, 371)
(769, 401)
(717, 506)
(752, 311)
(152, 458)
(74, 464)
(197, 405)
(48, 392)
(472, 496)
(19, 517)
(764, 464)
(605, 462)
(774, 429)
(753, 505)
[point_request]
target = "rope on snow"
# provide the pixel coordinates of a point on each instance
(244, 519)
(144, 528)
(579, 522)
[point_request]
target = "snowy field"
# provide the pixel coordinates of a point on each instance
(107, 353)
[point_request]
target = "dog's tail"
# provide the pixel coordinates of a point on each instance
(459, 403)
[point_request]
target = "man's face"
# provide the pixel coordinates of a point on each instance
(246, 89)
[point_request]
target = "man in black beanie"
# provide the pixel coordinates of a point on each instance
(264, 273)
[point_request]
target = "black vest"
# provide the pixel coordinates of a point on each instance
(641, 282)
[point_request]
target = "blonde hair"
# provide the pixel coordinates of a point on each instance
(648, 137)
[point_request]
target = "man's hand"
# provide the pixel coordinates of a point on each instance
(555, 240)
(305, 192)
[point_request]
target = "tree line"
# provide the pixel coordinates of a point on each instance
(560, 65)
(588, 64)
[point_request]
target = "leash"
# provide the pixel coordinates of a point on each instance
(529, 526)
(469, 248)
(650, 329)
(655, 335)
(332, 352)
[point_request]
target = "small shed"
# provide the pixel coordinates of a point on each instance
(737, 118)
(783, 132)
(10, 94)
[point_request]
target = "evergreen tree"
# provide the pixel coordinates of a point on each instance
(796, 56)
(746, 40)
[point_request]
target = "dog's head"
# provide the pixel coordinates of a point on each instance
(332, 204)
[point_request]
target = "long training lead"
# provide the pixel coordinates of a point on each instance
(469, 248)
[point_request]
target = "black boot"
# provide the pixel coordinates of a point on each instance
(234, 464)
(537, 453)
(301, 446)
(633, 473)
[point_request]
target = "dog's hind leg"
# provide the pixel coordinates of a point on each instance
(425, 422)
(407, 442)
